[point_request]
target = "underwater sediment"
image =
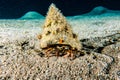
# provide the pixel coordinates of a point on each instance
(21, 56)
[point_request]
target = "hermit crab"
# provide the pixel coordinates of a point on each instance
(57, 37)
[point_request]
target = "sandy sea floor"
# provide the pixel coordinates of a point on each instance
(100, 37)
(84, 27)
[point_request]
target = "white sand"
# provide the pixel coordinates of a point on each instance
(17, 62)
(84, 27)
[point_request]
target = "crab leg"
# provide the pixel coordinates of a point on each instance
(68, 54)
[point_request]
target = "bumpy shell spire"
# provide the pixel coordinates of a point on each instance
(57, 31)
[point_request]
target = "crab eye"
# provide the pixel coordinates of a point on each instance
(61, 41)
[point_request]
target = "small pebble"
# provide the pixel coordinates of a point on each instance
(118, 73)
(1, 46)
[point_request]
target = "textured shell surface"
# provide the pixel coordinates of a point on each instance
(56, 30)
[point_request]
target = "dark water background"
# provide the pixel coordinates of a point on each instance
(12, 9)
